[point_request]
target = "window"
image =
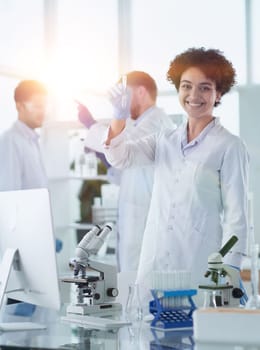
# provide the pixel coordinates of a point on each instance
(255, 41)
(162, 29)
(85, 59)
(8, 113)
(22, 34)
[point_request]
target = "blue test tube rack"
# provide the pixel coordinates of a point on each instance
(174, 316)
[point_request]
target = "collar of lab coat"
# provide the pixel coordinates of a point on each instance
(200, 137)
(144, 115)
(26, 131)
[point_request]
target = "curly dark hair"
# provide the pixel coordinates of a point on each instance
(211, 62)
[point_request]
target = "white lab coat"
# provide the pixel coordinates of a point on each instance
(199, 198)
(20, 159)
(135, 188)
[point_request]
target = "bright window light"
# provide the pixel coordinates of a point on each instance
(84, 62)
(163, 29)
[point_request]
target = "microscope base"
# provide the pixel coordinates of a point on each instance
(99, 309)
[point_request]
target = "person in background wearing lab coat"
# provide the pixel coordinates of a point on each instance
(199, 197)
(143, 118)
(20, 157)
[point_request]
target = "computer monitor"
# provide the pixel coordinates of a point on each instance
(28, 268)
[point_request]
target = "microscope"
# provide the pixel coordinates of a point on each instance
(225, 288)
(96, 282)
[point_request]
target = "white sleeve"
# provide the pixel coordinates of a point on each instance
(234, 190)
(94, 136)
(124, 153)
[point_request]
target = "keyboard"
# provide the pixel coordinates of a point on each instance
(95, 322)
(20, 326)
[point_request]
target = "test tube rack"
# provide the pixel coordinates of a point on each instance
(172, 317)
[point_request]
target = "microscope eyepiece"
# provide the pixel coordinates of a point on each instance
(230, 243)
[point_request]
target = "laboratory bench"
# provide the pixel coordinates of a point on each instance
(63, 335)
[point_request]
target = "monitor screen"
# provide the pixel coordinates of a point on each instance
(26, 227)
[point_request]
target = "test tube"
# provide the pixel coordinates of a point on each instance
(124, 93)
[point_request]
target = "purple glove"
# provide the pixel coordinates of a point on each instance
(103, 159)
(84, 116)
(100, 156)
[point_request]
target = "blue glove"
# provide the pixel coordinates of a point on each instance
(84, 116)
(58, 245)
(244, 298)
(24, 309)
(120, 99)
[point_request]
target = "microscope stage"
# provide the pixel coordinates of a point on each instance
(80, 280)
(216, 287)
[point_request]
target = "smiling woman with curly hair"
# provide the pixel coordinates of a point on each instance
(211, 62)
(199, 197)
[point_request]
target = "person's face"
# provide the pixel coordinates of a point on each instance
(33, 111)
(197, 93)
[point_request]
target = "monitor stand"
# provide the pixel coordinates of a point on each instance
(11, 259)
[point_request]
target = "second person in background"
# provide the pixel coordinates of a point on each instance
(144, 118)
(20, 154)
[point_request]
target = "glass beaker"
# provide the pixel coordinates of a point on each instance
(133, 310)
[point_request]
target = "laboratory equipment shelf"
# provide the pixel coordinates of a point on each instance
(172, 317)
(61, 145)
(82, 178)
(96, 177)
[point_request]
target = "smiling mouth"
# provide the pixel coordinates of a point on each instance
(192, 104)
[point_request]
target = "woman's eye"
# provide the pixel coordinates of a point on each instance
(185, 86)
(205, 88)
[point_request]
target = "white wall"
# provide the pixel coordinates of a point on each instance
(249, 110)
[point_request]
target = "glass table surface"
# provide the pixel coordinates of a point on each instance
(65, 335)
